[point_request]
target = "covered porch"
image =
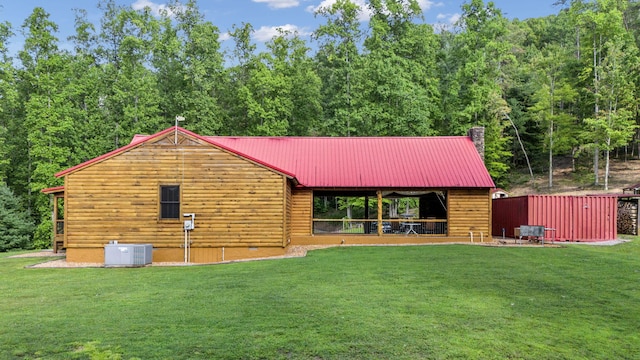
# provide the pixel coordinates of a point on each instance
(381, 212)
(57, 217)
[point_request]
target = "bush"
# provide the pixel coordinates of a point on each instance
(42, 235)
(16, 226)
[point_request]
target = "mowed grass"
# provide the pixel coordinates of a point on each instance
(422, 302)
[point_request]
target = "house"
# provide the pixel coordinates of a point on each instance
(215, 198)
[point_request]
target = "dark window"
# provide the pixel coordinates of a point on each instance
(170, 202)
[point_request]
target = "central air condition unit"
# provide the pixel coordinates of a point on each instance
(127, 254)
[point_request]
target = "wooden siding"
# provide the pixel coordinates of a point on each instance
(301, 212)
(236, 202)
(287, 215)
(469, 210)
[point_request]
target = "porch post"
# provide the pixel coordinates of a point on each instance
(367, 224)
(54, 220)
(379, 193)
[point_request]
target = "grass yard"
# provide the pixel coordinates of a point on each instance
(422, 302)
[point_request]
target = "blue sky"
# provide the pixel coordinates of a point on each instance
(265, 15)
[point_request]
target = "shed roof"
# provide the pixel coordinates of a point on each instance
(353, 162)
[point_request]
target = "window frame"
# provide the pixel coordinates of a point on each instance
(162, 202)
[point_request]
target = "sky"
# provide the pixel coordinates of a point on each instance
(265, 15)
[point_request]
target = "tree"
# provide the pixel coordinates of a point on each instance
(289, 58)
(601, 26)
(473, 94)
(86, 92)
(16, 226)
(339, 64)
(398, 92)
(614, 125)
(551, 102)
(8, 100)
(45, 77)
(189, 68)
(131, 100)
(238, 96)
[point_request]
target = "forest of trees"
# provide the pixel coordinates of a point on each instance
(559, 86)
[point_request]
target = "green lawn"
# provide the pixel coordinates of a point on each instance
(423, 302)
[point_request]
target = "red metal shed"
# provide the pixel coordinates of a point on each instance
(574, 218)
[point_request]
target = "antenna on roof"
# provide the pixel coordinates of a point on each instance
(178, 118)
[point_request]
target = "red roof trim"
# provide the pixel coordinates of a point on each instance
(140, 139)
(53, 190)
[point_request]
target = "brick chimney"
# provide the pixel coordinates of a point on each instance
(476, 134)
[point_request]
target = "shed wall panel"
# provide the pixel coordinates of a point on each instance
(574, 218)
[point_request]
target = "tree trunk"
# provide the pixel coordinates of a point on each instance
(596, 110)
(551, 137)
(606, 166)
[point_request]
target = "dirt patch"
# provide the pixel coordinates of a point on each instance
(622, 174)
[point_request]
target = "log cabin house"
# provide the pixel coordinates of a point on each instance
(249, 197)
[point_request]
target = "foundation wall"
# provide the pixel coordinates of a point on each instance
(198, 255)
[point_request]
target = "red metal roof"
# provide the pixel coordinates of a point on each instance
(354, 162)
(375, 162)
(53, 190)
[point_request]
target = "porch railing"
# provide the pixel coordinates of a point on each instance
(59, 227)
(389, 226)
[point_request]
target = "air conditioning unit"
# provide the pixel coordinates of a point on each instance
(127, 254)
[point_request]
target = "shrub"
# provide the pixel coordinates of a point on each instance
(16, 226)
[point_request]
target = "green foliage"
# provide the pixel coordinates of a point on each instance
(42, 234)
(339, 65)
(16, 226)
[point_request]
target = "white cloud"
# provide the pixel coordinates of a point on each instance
(446, 22)
(266, 33)
(426, 4)
(279, 4)
(454, 18)
(449, 18)
(156, 9)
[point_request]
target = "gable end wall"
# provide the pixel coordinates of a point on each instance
(237, 203)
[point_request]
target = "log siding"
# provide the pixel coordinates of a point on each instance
(469, 211)
(236, 202)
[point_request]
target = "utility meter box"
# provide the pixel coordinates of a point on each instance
(127, 254)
